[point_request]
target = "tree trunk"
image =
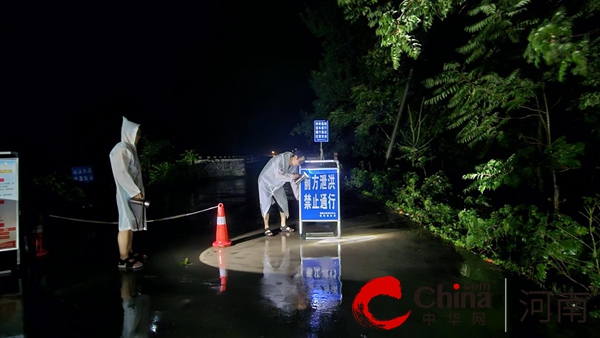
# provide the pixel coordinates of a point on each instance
(391, 145)
(556, 193)
(556, 196)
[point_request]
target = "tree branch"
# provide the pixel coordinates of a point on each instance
(523, 117)
(533, 109)
(554, 105)
(535, 141)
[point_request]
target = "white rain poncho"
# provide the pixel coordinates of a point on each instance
(282, 279)
(274, 175)
(128, 176)
(136, 317)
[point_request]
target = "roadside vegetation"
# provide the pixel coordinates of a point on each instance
(497, 106)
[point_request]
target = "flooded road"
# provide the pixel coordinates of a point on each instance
(282, 286)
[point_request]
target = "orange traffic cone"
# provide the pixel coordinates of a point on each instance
(222, 239)
(222, 271)
(39, 239)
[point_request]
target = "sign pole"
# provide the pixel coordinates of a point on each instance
(321, 157)
(321, 134)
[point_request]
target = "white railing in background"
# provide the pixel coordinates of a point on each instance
(249, 159)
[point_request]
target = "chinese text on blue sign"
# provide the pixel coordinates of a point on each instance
(321, 130)
(83, 174)
(319, 195)
(322, 278)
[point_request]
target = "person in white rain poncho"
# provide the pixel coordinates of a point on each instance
(127, 173)
(279, 170)
(282, 285)
(136, 308)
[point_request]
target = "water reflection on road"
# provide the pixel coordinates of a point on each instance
(281, 286)
(136, 307)
(287, 286)
(309, 283)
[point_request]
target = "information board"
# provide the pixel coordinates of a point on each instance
(9, 204)
(83, 174)
(319, 195)
(321, 131)
(319, 200)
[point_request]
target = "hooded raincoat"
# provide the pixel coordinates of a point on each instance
(128, 176)
(274, 175)
(281, 281)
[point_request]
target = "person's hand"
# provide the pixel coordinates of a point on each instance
(139, 196)
(296, 176)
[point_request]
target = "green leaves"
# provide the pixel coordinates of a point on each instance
(189, 157)
(491, 175)
(564, 156)
(397, 25)
(357, 90)
(61, 186)
(186, 262)
(161, 167)
(540, 271)
(525, 80)
(480, 102)
(415, 142)
(553, 42)
(152, 153)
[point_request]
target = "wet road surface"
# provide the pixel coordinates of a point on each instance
(282, 286)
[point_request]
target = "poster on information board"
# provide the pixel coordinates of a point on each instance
(9, 203)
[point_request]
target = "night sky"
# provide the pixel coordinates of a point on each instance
(240, 68)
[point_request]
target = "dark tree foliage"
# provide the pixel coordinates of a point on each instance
(498, 142)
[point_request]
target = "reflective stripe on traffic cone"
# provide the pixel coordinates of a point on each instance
(222, 238)
(222, 270)
(223, 277)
